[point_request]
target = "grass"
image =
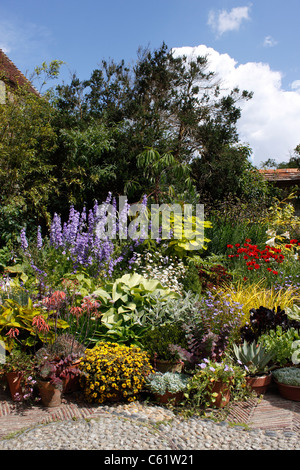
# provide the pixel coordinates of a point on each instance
(256, 295)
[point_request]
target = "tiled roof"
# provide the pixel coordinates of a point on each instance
(282, 174)
(13, 74)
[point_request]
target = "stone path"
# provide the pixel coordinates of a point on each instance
(268, 413)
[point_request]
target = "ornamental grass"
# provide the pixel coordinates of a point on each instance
(256, 294)
(114, 372)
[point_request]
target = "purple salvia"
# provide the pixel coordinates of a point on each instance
(56, 232)
(24, 242)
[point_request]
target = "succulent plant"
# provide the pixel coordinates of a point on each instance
(288, 376)
(172, 382)
(253, 356)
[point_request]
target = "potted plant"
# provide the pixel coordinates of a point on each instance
(66, 353)
(212, 382)
(158, 343)
(49, 382)
(255, 360)
(18, 371)
(287, 380)
(167, 386)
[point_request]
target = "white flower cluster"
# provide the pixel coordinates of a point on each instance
(168, 271)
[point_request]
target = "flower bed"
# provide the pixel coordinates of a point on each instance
(126, 305)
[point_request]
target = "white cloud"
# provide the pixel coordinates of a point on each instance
(223, 21)
(295, 85)
(270, 121)
(23, 40)
(270, 42)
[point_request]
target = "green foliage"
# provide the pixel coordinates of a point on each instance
(21, 325)
(123, 304)
(280, 344)
(159, 170)
(158, 340)
(27, 140)
(83, 167)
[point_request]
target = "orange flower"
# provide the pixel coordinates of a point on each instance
(39, 322)
(13, 332)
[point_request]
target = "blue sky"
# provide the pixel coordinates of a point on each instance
(253, 44)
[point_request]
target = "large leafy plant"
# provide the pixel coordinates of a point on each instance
(129, 294)
(123, 304)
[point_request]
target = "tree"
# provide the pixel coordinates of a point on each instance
(27, 139)
(167, 103)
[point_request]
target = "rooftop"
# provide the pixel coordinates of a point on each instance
(13, 74)
(282, 174)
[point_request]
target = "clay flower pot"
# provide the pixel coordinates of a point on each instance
(50, 394)
(223, 394)
(168, 366)
(14, 380)
(259, 384)
(71, 380)
(290, 392)
(167, 396)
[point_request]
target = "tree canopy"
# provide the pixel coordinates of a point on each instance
(161, 126)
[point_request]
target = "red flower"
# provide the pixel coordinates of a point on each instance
(293, 241)
(229, 246)
(275, 272)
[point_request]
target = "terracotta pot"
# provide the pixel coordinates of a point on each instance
(71, 381)
(259, 384)
(223, 394)
(290, 392)
(14, 382)
(168, 366)
(50, 395)
(167, 396)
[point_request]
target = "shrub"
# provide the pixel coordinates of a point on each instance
(114, 372)
(157, 341)
(169, 310)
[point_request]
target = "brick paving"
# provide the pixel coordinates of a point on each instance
(270, 412)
